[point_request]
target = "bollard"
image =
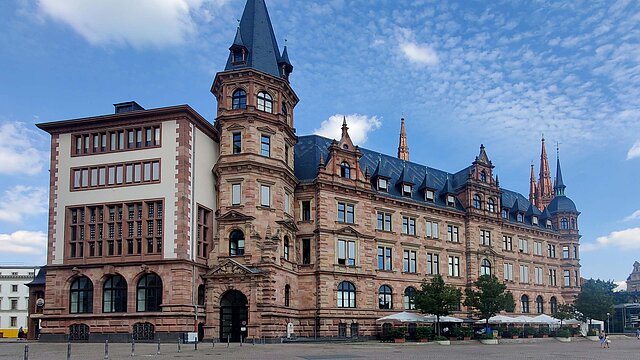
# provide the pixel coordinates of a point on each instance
(228, 340)
(213, 342)
(240, 339)
(178, 345)
(106, 349)
(253, 341)
(158, 350)
(26, 352)
(68, 351)
(195, 345)
(133, 347)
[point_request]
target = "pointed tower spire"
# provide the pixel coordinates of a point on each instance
(285, 65)
(532, 186)
(545, 186)
(256, 35)
(559, 188)
(403, 148)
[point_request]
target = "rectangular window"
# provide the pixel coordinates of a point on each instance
(346, 213)
(524, 274)
(432, 230)
(406, 190)
(552, 277)
(575, 252)
(111, 178)
(14, 304)
(237, 143)
(119, 174)
(147, 171)
(507, 243)
(382, 184)
(576, 277)
(454, 266)
(485, 237)
(286, 154)
(565, 252)
(155, 171)
(306, 210)
(539, 276)
(408, 225)
(384, 258)
(156, 137)
(537, 248)
(265, 196)
(137, 172)
(384, 221)
(409, 261)
(13, 321)
(85, 177)
(265, 145)
(433, 264)
(508, 272)
(551, 249)
(287, 202)
(567, 278)
(203, 232)
(523, 245)
(148, 139)
(306, 251)
(347, 252)
(94, 177)
(429, 195)
(452, 233)
(139, 138)
(77, 178)
(235, 194)
(129, 173)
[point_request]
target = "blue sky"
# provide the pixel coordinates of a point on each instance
(462, 73)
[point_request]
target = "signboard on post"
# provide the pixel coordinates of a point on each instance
(190, 337)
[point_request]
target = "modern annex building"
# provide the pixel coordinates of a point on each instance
(162, 223)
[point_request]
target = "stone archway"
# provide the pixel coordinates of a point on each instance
(234, 316)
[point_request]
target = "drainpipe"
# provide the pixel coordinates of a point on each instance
(193, 226)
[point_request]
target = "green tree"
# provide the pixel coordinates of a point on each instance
(437, 298)
(595, 299)
(490, 299)
(565, 312)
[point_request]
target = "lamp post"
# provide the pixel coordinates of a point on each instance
(608, 324)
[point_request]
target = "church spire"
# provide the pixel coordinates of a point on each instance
(255, 44)
(544, 194)
(532, 186)
(559, 188)
(403, 148)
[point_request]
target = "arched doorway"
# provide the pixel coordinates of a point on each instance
(234, 316)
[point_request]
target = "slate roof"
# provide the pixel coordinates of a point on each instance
(40, 278)
(309, 149)
(256, 34)
(562, 204)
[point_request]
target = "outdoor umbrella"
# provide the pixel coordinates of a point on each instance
(497, 319)
(545, 319)
(443, 319)
(403, 317)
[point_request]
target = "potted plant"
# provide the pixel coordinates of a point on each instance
(563, 335)
(398, 335)
(442, 340)
(467, 333)
(488, 339)
(544, 331)
(423, 333)
(529, 332)
(455, 333)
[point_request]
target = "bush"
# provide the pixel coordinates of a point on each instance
(456, 332)
(544, 330)
(529, 331)
(467, 332)
(398, 333)
(424, 332)
(440, 338)
(563, 333)
(575, 331)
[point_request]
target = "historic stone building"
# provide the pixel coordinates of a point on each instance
(633, 281)
(161, 223)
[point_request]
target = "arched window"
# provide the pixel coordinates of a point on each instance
(265, 102)
(201, 295)
(114, 295)
(410, 298)
(539, 305)
(345, 170)
(287, 295)
(384, 297)
(236, 243)
(477, 201)
(554, 305)
(286, 248)
(564, 224)
(524, 300)
(346, 295)
(81, 299)
(149, 293)
(483, 176)
(485, 267)
(491, 205)
(239, 99)
(573, 224)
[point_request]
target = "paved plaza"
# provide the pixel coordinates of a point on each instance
(621, 349)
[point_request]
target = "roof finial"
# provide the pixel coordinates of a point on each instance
(344, 121)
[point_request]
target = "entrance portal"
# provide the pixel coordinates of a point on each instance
(234, 316)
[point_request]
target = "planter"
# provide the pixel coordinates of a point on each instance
(514, 336)
(489, 341)
(529, 336)
(545, 336)
(467, 338)
(563, 339)
(453, 338)
(593, 338)
(399, 341)
(423, 340)
(443, 342)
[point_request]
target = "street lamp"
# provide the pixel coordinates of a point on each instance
(608, 322)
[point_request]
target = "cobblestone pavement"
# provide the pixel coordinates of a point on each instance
(621, 349)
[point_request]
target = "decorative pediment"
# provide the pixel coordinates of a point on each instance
(234, 216)
(288, 224)
(350, 231)
(266, 129)
(235, 127)
(487, 251)
(231, 267)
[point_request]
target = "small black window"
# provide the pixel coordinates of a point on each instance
(477, 202)
(265, 145)
(345, 170)
(239, 99)
(306, 210)
(306, 251)
(236, 243)
(287, 291)
(201, 294)
(525, 304)
(237, 143)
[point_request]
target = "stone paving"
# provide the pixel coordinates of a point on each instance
(621, 349)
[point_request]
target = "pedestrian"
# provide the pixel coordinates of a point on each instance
(603, 338)
(20, 333)
(638, 334)
(607, 341)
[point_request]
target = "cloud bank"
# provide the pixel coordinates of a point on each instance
(634, 152)
(21, 201)
(24, 242)
(628, 239)
(359, 127)
(19, 150)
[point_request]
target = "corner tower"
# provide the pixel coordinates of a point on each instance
(253, 259)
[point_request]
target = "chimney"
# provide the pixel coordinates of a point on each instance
(126, 107)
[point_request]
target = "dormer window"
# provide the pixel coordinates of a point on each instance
(534, 220)
(239, 99)
(549, 226)
(265, 102)
(505, 213)
(477, 201)
(483, 176)
(406, 190)
(491, 206)
(520, 217)
(429, 195)
(238, 56)
(451, 200)
(345, 170)
(383, 184)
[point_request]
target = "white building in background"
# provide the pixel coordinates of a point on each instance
(14, 298)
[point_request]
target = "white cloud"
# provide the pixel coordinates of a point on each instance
(359, 127)
(419, 53)
(634, 152)
(21, 201)
(622, 285)
(138, 23)
(628, 239)
(18, 150)
(24, 242)
(634, 216)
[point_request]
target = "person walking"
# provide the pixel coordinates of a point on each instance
(638, 334)
(607, 341)
(20, 333)
(603, 338)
